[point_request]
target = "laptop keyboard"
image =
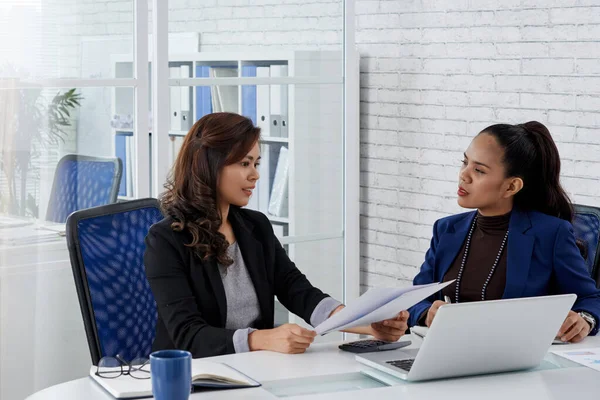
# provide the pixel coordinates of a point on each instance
(402, 364)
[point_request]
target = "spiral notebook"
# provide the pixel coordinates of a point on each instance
(206, 375)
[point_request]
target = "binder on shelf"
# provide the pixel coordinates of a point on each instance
(186, 117)
(176, 142)
(279, 98)
(124, 151)
(121, 152)
(175, 100)
(264, 184)
(224, 98)
(203, 101)
(263, 107)
(249, 94)
(130, 160)
(284, 125)
(278, 204)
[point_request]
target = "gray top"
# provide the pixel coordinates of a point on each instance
(243, 309)
(242, 303)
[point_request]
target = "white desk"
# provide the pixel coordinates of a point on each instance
(326, 359)
(42, 337)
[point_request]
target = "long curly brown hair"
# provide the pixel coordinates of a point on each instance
(190, 199)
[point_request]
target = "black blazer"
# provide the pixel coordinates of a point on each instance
(189, 293)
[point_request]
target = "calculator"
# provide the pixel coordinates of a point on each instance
(370, 345)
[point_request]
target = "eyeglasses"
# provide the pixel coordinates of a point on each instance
(113, 367)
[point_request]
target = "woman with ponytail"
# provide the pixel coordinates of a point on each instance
(519, 242)
(215, 268)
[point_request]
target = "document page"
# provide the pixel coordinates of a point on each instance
(378, 304)
(587, 357)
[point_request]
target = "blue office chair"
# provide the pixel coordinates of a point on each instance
(106, 247)
(586, 224)
(83, 182)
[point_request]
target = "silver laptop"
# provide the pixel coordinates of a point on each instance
(479, 338)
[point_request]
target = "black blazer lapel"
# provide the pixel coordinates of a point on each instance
(252, 252)
(520, 251)
(212, 271)
(451, 242)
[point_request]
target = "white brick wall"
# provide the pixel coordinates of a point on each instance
(451, 69)
(224, 25)
(433, 73)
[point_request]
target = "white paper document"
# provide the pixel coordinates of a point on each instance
(587, 357)
(378, 304)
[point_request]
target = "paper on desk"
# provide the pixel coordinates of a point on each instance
(420, 331)
(377, 305)
(587, 357)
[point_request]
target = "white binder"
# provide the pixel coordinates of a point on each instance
(175, 100)
(263, 112)
(186, 115)
(176, 142)
(264, 185)
(279, 100)
(278, 204)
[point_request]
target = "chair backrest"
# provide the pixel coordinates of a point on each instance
(83, 182)
(106, 247)
(586, 224)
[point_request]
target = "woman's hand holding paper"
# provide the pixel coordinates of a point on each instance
(366, 314)
(389, 330)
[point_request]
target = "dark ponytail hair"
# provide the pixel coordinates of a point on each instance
(531, 154)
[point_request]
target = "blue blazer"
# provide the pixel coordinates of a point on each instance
(542, 259)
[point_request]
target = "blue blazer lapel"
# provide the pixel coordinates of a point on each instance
(451, 242)
(520, 251)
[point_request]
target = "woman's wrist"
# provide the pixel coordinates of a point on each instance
(361, 330)
(421, 321)
(336, 310)
(256, 340)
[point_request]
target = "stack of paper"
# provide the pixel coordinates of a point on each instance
(378, 304)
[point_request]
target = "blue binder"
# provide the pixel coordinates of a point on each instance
(203, 100)
(121, 138)
(249, 94)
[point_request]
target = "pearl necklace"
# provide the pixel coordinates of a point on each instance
(464, 262)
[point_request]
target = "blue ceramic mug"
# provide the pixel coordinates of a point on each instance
(171, 372)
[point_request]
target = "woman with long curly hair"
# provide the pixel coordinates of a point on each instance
(215, 267)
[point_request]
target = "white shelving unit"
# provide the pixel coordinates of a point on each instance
(312, 91)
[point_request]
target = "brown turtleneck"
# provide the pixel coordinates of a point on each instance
(483, 250)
